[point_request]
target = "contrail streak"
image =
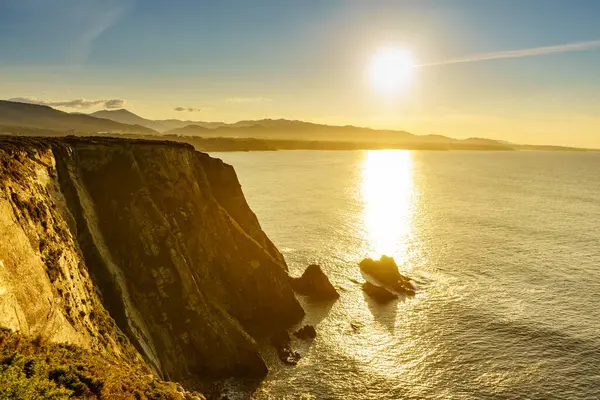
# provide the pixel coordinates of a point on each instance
(536, 51)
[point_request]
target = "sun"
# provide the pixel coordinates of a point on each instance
(391, 70)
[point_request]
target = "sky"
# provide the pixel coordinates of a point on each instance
(521, 71)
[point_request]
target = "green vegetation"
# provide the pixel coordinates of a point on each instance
(31, 369)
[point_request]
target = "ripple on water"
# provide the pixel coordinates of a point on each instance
(503, 247)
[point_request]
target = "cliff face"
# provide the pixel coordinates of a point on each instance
(154, 234)
(45, 288)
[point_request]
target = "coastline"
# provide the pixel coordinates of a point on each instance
(247, 144)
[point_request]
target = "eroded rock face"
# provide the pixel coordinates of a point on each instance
(314, 284)
(45, 287)
(168, 239)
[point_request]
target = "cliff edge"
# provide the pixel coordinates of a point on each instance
(142, 250)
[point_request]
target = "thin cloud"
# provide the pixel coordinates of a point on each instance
(536, 51)
(246, 100)
(187, 109)
(114, 103)
(100, 16)
(77, 103)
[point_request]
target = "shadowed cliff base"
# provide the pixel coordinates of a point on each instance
(155, 236)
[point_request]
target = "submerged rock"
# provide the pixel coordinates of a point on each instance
(378, 293)
(385, 270)
(315, 284)
(306, 332)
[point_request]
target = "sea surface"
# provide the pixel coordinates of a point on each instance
(504, 248)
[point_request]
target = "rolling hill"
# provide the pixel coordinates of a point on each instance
(16, 117)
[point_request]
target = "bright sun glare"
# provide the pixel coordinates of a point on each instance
(389, 198)
(391, 70)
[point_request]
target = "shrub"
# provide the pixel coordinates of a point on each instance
(32, 369)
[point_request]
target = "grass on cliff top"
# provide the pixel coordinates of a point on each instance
(31, 369)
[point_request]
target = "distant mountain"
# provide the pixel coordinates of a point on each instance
(29, 119)
(285, 129)
(127, 117)
(282, 129)
(274, 123)
(16, 116)
(176, 123)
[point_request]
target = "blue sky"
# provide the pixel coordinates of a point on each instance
(306, 59)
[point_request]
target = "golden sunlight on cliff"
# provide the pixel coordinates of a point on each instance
(388, 195)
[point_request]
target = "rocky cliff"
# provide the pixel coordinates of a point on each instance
(137, 248)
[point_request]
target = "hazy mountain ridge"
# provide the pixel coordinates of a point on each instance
(285, 129)
(246, 135)
(127, 117)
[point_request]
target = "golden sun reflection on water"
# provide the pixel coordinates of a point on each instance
(388, 196)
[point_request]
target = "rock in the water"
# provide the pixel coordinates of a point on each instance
(289, 356)
(385, 270)
(315, 284)
(306, 332)
(281, 340)
(378, 293)
(356, 326)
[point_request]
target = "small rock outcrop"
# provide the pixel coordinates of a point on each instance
(282, 342)
(356, 326)
(306, 332)
(314, 284)
(378, 293)
(385, 270)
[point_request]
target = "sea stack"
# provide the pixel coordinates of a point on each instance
(314, 284)
(385, 271)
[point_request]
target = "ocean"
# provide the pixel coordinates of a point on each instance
(504, 248)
